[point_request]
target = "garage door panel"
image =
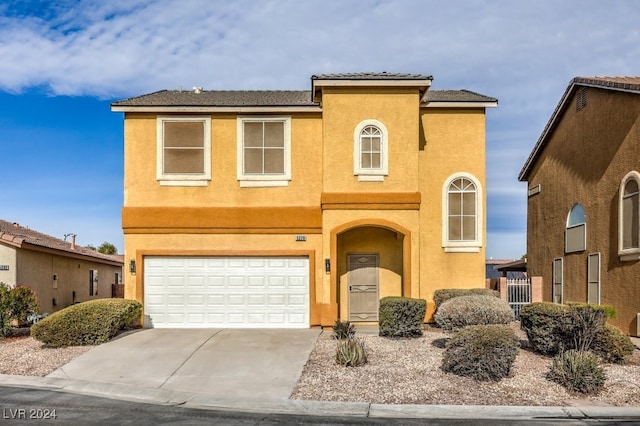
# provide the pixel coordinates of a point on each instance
(227, 292)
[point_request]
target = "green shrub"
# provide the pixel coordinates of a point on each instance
(343, 330)
(442, 295)
(401, 316)
(88, 323)
(484, 352)
(351, 352)
(544, 324)
(611, 345)
(581, 324)
(609, 311)
(15, 305)
(464, 311)
(578, 371)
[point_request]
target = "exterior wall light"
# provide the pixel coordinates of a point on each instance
(132, 266)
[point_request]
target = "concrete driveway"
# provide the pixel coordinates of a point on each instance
(230, 363)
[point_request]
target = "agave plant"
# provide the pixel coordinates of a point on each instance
(351, 352)
(343, 330)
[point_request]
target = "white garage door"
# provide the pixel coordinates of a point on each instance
(250, 292)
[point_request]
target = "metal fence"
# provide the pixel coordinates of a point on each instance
(518, 294)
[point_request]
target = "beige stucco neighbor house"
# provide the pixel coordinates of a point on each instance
(583, 177)
(61, 273)
(297, 208)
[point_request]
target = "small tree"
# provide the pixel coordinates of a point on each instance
(107, 248)
(15, 304)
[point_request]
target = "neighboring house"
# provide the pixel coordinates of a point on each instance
(508, 268)
(583, 176)
(61, 273)
(298, 208)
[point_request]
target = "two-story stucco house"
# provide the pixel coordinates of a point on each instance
(583, 175)
(297, 208)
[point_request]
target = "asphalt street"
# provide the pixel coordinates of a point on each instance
(35, 406)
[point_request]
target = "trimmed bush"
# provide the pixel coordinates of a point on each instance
(578, 371)
(484, 352)
(464, 311)
(16, 303)
(343, 330)
(351, 352)
(609, 311)
(544, 324)
(87, 323)
(611, 345)
(442, 295)
(401, 316)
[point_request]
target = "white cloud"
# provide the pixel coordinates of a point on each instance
(523, 53)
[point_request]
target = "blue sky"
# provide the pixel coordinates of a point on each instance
(64, 62)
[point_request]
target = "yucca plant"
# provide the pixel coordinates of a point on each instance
(578, 371)
(343, 330)
(351, 352)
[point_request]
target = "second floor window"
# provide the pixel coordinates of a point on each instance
(371, 148)
(462, 218)
(184, 150)
(264, 151)
(370, 151)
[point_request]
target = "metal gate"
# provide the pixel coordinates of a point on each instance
(518, 294)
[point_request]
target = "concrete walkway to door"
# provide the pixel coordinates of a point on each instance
(229, 363)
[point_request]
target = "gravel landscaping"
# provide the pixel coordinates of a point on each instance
(407, 371)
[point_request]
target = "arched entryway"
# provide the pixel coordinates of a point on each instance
(372, 262)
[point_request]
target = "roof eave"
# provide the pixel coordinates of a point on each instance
(459, 104)
(211, 109)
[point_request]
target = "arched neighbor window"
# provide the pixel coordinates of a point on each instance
(462, 214)
(576, 232)
(629, 218)
(370, 151)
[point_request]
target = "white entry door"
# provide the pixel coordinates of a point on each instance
(226, 292)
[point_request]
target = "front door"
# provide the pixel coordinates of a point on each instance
(363, 287)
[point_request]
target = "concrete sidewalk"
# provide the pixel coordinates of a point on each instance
(233, 363)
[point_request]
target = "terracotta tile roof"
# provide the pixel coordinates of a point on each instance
(625, 84)
(17, 236)
(371, 76)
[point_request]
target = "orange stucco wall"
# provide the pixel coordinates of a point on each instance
(324, 200)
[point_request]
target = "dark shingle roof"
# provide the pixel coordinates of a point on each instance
(371, 76)
(16, 235)
(221, 98)
(261, 98)
(457, 96)
(626, 84)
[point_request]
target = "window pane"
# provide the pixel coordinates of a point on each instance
(366, 160)
(183, 134)
(274, 161)
(375, 144)
(366, 144)
(252, 134)
(576, 216)
(469, 228)
(253, 160)
(469, 203)
(631, 187)
(455, 204)
(375, 161)
(455, 230)
(274, 134)
(183, 160)
(630, 222)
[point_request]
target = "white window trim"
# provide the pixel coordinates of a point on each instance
(183, 179)
(254, 180)
(371, 175)
(471, 246)
(629, 254)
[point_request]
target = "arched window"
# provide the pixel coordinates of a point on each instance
(370, 151)
(629, 222)
(462, 214)
(576, 233)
